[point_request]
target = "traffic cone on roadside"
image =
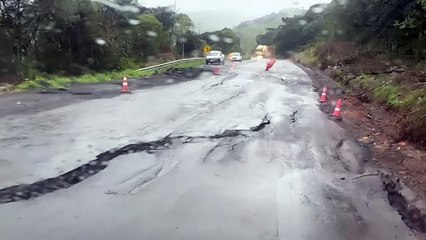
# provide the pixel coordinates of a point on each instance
(125, 86)
(270, 63)
(337, 111)
(323, 97)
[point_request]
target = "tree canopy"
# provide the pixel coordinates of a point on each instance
(395, 26)
(71, 37)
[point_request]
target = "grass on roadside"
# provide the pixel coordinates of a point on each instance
(59, 82)
(309, 56)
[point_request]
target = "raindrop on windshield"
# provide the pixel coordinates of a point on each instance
(228, 40)
(151, 33)
(182, 40)
(302, 22)
(214, 38)
(100, 41)
(324, 32)
(195, 53)
(124, 8)
(134, 21)
(127, 31)
(340, 32)
(49, 26)
(318, 9)
(130, 8)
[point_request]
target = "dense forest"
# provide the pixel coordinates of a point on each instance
(396, 27)
(72, 37)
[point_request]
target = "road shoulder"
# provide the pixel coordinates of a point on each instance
(403, 163)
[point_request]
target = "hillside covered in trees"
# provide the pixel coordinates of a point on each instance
(394, 26)
(73, 37)
(248, 30)
(375, 48)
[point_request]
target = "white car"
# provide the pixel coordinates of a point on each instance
(236, 56)
(215, 57)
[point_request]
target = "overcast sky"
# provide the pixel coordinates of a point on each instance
(255, 7)
(235, 11)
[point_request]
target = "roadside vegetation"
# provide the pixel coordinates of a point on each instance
(56, 42)
(63, 82)
(375, 48)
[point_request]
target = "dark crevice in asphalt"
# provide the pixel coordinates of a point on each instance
(79, 174)
(210, 152)
(293, 118)
(410, 214)
(228, 99)
(234, 75)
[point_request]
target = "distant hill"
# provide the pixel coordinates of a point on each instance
(207, 21)
(248, 30)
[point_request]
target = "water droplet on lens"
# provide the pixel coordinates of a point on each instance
(130, 8)
(228, 40)
(151, 34)
(214, 38)
(318, 9)
(100, 41)
(134, 21)
(302, 22)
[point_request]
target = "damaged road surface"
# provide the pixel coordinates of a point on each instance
(244, 155)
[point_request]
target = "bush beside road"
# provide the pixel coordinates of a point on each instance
(63, 82)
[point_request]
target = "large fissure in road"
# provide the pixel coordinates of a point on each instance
(79, 174)
(412, 216)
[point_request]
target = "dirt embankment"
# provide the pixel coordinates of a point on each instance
(384, 105)
(395, 86)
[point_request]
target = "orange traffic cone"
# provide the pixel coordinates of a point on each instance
(323, 97)
(270, 63)
(125, 86)
(337, 111)
(216, 71)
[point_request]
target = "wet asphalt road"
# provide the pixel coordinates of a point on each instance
(220, 176)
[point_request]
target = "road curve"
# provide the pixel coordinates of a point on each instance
(245, 154)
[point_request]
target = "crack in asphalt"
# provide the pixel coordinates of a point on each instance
(293, 118)
(231, 147)
(411, 215)
(79, 174)
(222, 81)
